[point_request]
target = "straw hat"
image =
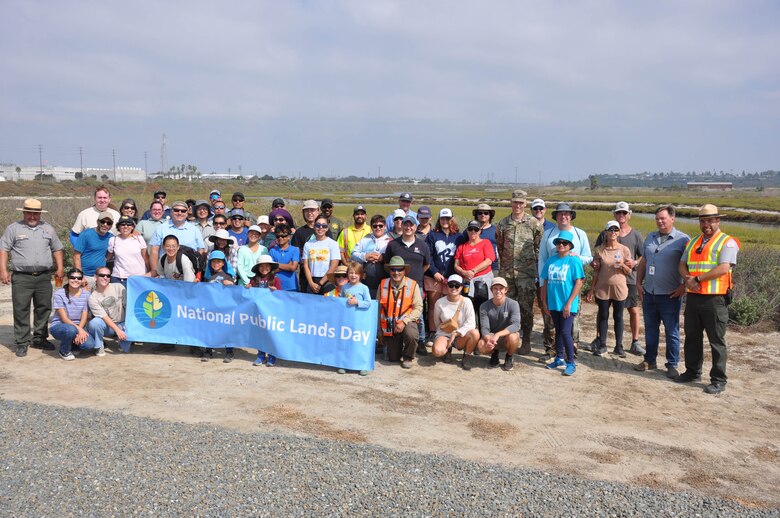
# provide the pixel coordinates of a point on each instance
(340, 270)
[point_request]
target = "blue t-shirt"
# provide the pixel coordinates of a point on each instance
(241, 237)
(92, 247)
(292, 254)
(361, 293)
(559, 275)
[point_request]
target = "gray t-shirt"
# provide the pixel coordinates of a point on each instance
(493, 319)
(634, 242)
(110, 303)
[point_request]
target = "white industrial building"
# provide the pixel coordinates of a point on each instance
(13, 172)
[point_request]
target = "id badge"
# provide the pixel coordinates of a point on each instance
(651, 270)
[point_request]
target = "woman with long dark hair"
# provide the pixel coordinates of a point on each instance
(70, 316)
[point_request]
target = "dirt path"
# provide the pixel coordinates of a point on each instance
(606, 422)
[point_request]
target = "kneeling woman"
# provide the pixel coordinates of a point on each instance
(455, 323)
(70, 316)
(561, 280)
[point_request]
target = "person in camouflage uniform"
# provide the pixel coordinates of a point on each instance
(517, 238)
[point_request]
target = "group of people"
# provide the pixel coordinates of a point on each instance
(437, 288)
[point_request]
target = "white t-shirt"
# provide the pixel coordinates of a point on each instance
(127, 256)
(319, 254)
(87, 218)
(170, 272)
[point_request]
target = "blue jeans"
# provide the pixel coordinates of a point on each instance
(657, 309)
(97, 329)
(117, 280)
(65, 333)
(564, 342)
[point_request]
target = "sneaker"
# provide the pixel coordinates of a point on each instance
(228, 357)
(21, 351)
(543, 358)
(508, 363)
(671, 373)
(271, 361)
(716, 387)
(259, 360)
(205, 357)
(341, 371)
(406, 364)
(421, 350)
(363, 373)
(687, 377)
(618, 350)
(636, 348)
(429, 343)
(494, 358)
(557, 362)
(464, 364)
(645, 366)
(447, 356)
(570, 368)
(101, 351)
(67, 357)
(600, 351)
(592, 346)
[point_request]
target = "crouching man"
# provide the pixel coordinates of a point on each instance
(400, 307)
(499, 325)
(107, 305)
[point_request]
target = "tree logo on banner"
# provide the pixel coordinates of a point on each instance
(152, 309)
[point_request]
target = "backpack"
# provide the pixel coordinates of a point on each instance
(198, 263)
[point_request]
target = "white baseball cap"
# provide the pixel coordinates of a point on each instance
(538, 202)
(445, 213)
(621, 206)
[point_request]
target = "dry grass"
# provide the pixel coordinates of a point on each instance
(485, 429)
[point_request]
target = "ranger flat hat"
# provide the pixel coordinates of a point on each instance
(709, 210)
(32, 205)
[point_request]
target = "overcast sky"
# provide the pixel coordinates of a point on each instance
(457, 89)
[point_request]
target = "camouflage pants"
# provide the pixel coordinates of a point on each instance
(549, 327)
(525, 298)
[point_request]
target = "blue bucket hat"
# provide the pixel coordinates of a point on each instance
(564, 235)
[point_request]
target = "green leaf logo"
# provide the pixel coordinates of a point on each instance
(152, 305)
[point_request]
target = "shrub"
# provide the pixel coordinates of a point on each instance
(756, 281)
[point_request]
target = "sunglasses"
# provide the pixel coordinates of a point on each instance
(537, 209)
(473, 230)
(178, 210)
(562, 243)
(613, 230)
(75, 277)
(101, 275)
(106, 222)
(278, 206)
(377, 226)
(454, 285)
(621, 212)
(397, 270)
(159, 197)
(238, 199)
(340, 276)
(279, 219)
(320, 225)
(220, 223)
(219, 207)
(483, 213)
(239, 218)
(279, 236)
(125, 225)
(128, 208)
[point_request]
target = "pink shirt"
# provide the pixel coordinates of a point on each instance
(127, 256)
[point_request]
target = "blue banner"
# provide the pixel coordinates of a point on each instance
(289, 325)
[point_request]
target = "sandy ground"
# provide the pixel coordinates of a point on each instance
(607, 422)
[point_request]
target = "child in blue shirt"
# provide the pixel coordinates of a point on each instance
(562, 278)
(348, 285)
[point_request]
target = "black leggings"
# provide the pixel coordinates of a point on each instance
(617, 316)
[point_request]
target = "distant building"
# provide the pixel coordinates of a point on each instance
(60, 173)
(710, 186)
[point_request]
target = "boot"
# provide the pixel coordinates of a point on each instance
(525, 346)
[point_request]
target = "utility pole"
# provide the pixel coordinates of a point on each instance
(146, 164)
(40, 158)
(113, 154)
(515, 175)
(379, 170)
(81, 160)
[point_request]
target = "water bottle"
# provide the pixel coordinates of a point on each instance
(618, 259)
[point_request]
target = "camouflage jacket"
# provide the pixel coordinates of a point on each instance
(518, 248)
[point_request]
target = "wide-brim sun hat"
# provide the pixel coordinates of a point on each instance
(255, 228)
(564, 207)
(221, 234)
(564, 235)
(708, 210)
(264, 259)
(31, 205)
(340, 270)
(397, 262)
(482, 207)
(217, 254)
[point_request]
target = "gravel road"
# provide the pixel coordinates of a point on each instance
(59, 461)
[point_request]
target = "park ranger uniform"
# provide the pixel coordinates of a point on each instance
(518, 252)
(30, 250)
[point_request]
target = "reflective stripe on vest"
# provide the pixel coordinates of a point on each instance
(700, 262)
(391, 309)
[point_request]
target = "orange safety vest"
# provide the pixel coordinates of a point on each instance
(703, 258)
(390, 308)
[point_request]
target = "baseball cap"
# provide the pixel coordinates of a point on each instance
(263, 219)
(310, 204)
(235, 213)
(215, 191)
(278, 202)
(621, 206)
(538, 202)
(424, 212)
(455, 278)
(519, 195)
(179, 203)
(399, 213)
(445, 213)
(160, 193)
(411, 219)
(359, 208)
(239, 195)
(405, 196)
(499, 281)
(612, 223)
(474, 224)
(327, 202)
(105, 215)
